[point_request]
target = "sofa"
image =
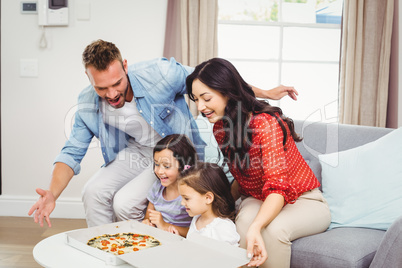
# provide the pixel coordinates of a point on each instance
(338, 247)
(344, 246)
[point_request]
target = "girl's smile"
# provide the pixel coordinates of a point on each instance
(166, 167)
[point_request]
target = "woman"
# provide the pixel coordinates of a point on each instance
(280, 196)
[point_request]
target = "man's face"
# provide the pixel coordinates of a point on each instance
(111, 84)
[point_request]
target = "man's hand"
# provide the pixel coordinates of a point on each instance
(281, 91)
(43, 207)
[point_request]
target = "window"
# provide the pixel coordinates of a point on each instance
(289, 42)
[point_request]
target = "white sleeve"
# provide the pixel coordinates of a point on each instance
(225, 230)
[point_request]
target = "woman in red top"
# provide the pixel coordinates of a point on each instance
(280, 197)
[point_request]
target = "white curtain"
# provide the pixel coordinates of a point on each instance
(365, 59)
(199, 20)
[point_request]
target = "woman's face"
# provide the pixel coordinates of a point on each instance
(210, 102)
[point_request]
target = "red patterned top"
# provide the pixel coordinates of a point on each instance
(271, 169)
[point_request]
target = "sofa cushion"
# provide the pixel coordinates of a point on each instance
(340, 247)
(324, 138)
(363, 185)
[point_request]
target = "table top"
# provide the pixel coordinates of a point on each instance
(55, 252)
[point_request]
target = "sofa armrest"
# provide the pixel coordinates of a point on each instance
(389, 251)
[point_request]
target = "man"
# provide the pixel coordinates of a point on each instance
(129, 109)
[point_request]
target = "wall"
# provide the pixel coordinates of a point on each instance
(37, 111)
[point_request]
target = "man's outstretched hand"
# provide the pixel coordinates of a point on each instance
(281, 91)
(43, 207)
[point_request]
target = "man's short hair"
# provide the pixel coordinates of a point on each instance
(100, 54)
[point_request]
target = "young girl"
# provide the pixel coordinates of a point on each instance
(171, 155)
(279, 192)
(205, 192)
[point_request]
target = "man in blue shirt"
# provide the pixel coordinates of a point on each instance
(129, 109)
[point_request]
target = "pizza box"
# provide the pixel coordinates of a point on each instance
(175, 251)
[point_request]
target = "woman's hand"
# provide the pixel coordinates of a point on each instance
(255, 247)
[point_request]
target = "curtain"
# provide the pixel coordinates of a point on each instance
(365, 59)
(172, 47)
(191, 33)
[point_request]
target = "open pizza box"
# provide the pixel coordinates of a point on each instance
(174, 251)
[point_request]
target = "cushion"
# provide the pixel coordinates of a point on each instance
(339, 247)
(363, 185)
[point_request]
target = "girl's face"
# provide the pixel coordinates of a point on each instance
(166, 167)
(209, 101)
(194, 202)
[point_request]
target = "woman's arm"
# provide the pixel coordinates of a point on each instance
(276, 93)
(269, 209)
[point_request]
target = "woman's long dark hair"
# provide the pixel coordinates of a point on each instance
(220, 75)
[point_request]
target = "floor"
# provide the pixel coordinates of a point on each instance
(19, 235)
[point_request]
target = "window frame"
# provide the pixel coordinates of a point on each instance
(281, 25)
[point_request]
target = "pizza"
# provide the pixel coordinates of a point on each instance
(122, 243)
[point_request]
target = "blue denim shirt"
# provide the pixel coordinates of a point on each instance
(159, 88)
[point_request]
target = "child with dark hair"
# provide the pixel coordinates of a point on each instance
(171, 155)
(205, 192)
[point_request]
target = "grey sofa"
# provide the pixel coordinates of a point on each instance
(343, 247)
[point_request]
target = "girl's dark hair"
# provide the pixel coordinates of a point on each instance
(182, 148)
(206, 177)
(220, 75)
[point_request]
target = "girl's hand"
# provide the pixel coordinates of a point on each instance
(173, 230)
(255, 247)
(155, 217)
(147, 222)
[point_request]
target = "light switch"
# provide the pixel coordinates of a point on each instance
(29, 7)
(29, 68)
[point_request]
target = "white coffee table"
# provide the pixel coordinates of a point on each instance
(54, 252)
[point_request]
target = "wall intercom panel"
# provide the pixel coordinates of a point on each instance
(53, 12)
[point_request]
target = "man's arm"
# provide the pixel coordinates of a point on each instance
(61, 176)
(276, 93)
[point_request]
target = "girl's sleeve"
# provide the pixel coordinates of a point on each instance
(153, 192)
(226, 231)
(275, 177)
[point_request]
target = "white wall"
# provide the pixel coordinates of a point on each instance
(34, 110)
